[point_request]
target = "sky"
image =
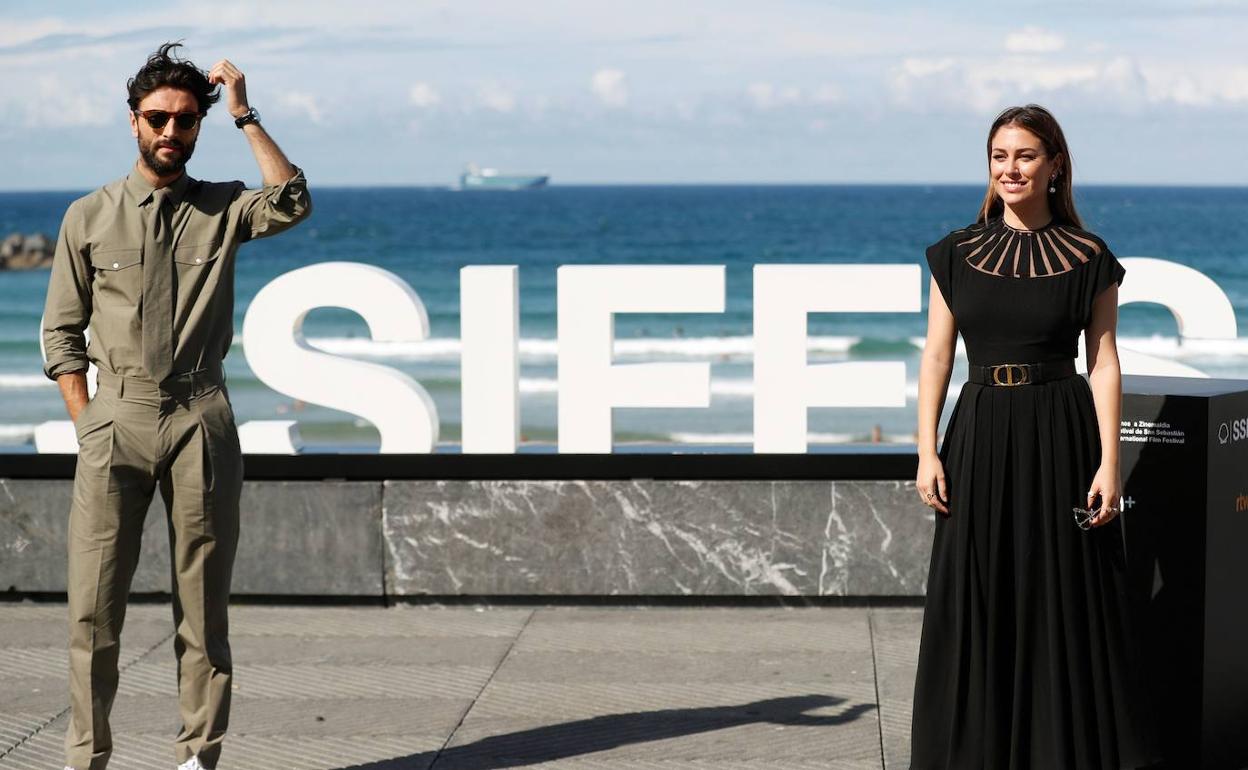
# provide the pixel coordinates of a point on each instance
(393, 92)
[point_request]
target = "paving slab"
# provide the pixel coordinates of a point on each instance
(478, 688)
(661, 630)
(686, 666)
(151, 751)
(34, 661)
(698, 686)
(895, 636)
(367, 622)
(16, 726)
(47, 625)
(401, 650)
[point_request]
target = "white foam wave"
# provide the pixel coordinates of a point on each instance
(920, 342)
(739, 349)
(16, 434)
(955, 385)
(24, 381)
(811, 438)
(1160, 345)
(365, 347)
(1165, 346)
(537, 348)
(731, 387)
(539, 386)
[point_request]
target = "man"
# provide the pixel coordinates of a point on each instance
(147, 263)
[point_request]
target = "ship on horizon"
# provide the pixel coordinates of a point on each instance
(475, 178)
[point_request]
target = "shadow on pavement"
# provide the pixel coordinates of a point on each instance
(586, 736)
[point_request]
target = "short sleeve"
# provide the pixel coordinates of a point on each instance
(940, 262)
(1105, 271)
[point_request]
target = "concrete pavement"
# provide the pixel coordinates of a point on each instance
(479, 688)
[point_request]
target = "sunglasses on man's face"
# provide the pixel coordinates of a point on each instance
(157, 119)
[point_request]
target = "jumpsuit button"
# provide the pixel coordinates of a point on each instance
(116, 265)
(198, 260)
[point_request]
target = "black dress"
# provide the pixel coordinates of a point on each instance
(1026, 658)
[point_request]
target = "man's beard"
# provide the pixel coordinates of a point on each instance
(148, 150)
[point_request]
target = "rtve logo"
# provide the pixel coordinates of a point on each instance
(1233, 430)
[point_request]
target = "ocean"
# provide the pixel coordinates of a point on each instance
(425, 235)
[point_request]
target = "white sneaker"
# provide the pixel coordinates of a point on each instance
(191, 764)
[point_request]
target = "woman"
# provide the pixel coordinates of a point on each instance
(1026, 657)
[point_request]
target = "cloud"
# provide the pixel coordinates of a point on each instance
(1034, 40)
(492, 96)
(767, 96)
(303, 103)
(827, 93)
(610, 86)
(50, 101)
(921, 68)
(424, 95)
(986, 85)
(100, 42)
(677, 80)
(1120, 82)
(1228, 86)
(17, 31)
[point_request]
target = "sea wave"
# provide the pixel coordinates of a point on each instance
(741, 347)
(1166, 346)
(16, 434)
(1162, 346)
(811, 438)
(733, 387)
(24, 381)
(542, 348)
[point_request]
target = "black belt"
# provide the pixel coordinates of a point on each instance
(1020, 374)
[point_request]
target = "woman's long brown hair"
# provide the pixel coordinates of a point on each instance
(1040, 122)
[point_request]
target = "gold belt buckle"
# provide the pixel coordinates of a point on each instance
(1024, 374)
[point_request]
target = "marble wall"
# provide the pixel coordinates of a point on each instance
(526, 538)
(655, 538)
(296, 538)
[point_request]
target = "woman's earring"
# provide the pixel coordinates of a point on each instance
(1052, 189)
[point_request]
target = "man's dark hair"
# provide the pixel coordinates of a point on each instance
(164, 68)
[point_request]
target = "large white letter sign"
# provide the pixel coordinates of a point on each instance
(279, 356)
(489, 331)
(1200, 308)
(589, 385)
(784, 384)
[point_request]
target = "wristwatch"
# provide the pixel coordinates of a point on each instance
(251, 117)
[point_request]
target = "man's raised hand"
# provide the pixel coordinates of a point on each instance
(231, 77)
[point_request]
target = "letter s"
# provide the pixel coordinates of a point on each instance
(281, 358)
(1199, 306)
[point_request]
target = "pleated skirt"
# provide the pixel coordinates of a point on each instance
(1027, 658)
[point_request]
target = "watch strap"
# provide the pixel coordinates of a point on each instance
(251, 117)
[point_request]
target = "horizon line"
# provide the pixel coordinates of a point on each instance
(744, 183)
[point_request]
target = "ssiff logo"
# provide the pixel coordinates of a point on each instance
(1233, 430)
